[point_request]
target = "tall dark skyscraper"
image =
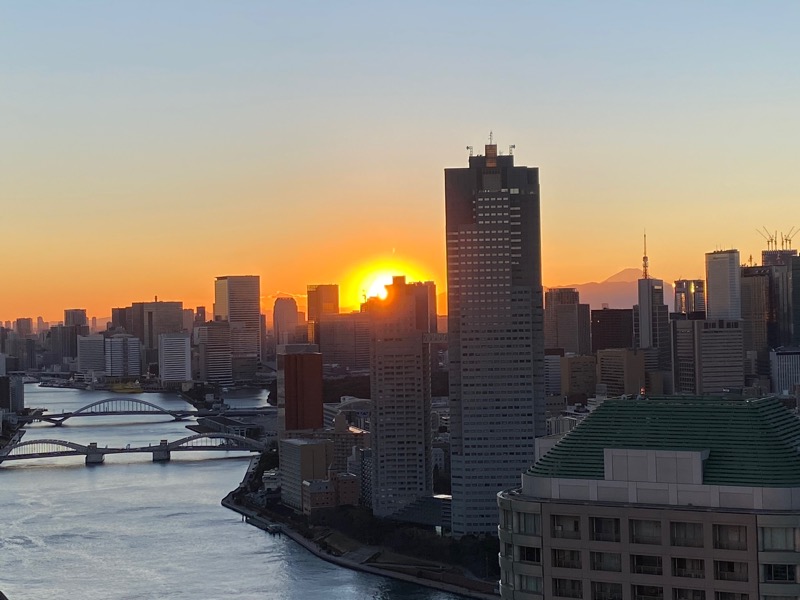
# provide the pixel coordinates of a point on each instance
(612, 328)
(495, 329)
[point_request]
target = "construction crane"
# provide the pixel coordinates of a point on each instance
(772, 240)
(787, 238)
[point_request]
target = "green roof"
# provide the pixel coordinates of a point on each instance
(750, 442)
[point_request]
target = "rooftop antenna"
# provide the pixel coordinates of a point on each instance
(645, 261)
(470, 150)
(491, 138)
(511, 149)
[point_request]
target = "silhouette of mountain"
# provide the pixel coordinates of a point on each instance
(618, 291)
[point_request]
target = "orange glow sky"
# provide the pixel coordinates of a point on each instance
(146, 148)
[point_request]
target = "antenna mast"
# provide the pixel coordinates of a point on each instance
(645, 261)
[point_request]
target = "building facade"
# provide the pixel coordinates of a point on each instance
(299, 398)
(495, 331)
(723, 285)
(612, 328)
(237, 300)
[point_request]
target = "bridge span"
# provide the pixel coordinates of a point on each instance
(49, 448)
(134, 406)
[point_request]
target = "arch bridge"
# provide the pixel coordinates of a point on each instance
(49, 448)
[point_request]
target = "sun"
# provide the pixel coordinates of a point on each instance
(368, 280)
(377, 289)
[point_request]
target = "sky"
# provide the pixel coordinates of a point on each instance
(147, 147)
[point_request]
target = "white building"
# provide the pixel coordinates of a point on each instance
(723, 285)
(237, 300)
(214, 356)
(91, 353)
(785, 370)
(174, 357)
(495, 329)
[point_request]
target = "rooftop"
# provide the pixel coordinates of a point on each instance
(749, 442)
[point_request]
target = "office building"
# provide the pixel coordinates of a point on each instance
(552, 371)
(214, 355)
(237, 300)
(612, 328)
(659, 499)
(123, 356)
(24, 327)
(344, 340)
(783, 257)
(400, 384)
(651, 324)
(690, 296)
(174, 357)
(12, 393)
(708, 356)
(495, 331)
(302, 460)
(794, 292)
(75, 316)
(323, 299)
(759, 326)
(785, 371)
(723, 285)
(91, 353)
(578, 378)
(285, 319)
(621, 370)
(299, 397)
(63, 343)
(566, 321)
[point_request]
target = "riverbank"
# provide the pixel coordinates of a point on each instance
(358, 560)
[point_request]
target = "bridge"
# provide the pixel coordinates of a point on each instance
(134, 406)
(48, 448)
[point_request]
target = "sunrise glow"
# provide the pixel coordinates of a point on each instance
(368, 279)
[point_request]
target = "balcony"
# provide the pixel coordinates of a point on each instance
(693, 573)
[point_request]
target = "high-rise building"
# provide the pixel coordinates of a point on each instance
(723, 285)
(214, 355)
(495, 331)
(566, 321)
(708, 356)
(299, 382)
(344, 340)
(323, 299)
(284, 320)
(651, 333)
(773, 258)
(785, 371)
(237, 300)
(123, 356)
(91, 353)
(174, 357)
(578, 377)
(400, 383)
(690, 296)
(612, 328)
(795, 301)
(659, 499)
(758, 320)
(75, 316)
(24, 326)
(621, 370)
(122, 318)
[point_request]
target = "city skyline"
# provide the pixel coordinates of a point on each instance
(656, 117)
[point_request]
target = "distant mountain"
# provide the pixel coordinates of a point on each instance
(618, 291)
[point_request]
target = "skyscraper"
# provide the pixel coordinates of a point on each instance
(237, 300)
(323, 299)
(652, 333)
(299, 388)
(75, 316)
(284, 320)
(690, 296)
(174, 357)
(723, 285)
(495, 331)
(566, 321)
(400, 382)
(612, 328)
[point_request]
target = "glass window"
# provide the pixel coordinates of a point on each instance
(647, 592)
(506, 519)
(568, 588)
(779, 573)
(567, 559)
(530, 523)
(730, 537)
(730, 596)
(605, 529)
(605, 561)
(566, 526)
(726, 570)
(645, 532)
(648, 565)
(686, 534)
(530, 554)
(688, 567)
(776, 538)
(529, 583)
(606, 591)
(681, 594)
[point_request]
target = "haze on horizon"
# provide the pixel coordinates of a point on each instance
(148, 147)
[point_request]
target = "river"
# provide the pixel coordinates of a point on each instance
(136, 530)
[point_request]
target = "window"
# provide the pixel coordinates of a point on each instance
(530, 554)
(645, 532)
(530, 523)
(779, 573)
(568, 588)
(686, 534)
(507, 550)
(604, 529)
(776, 538)
(528, 583)
(730, 596)
(506, 519)
(688, 567)
(605, 561)
(647, 592)
(567, 527)
(606, 591)
(730, 537)
(681, 594)
(725, 570)
(567, 559)
(648, 565)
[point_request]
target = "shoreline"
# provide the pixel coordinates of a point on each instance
(253, 518)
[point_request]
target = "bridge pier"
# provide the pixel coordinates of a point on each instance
(161, 452)
(94, 456)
